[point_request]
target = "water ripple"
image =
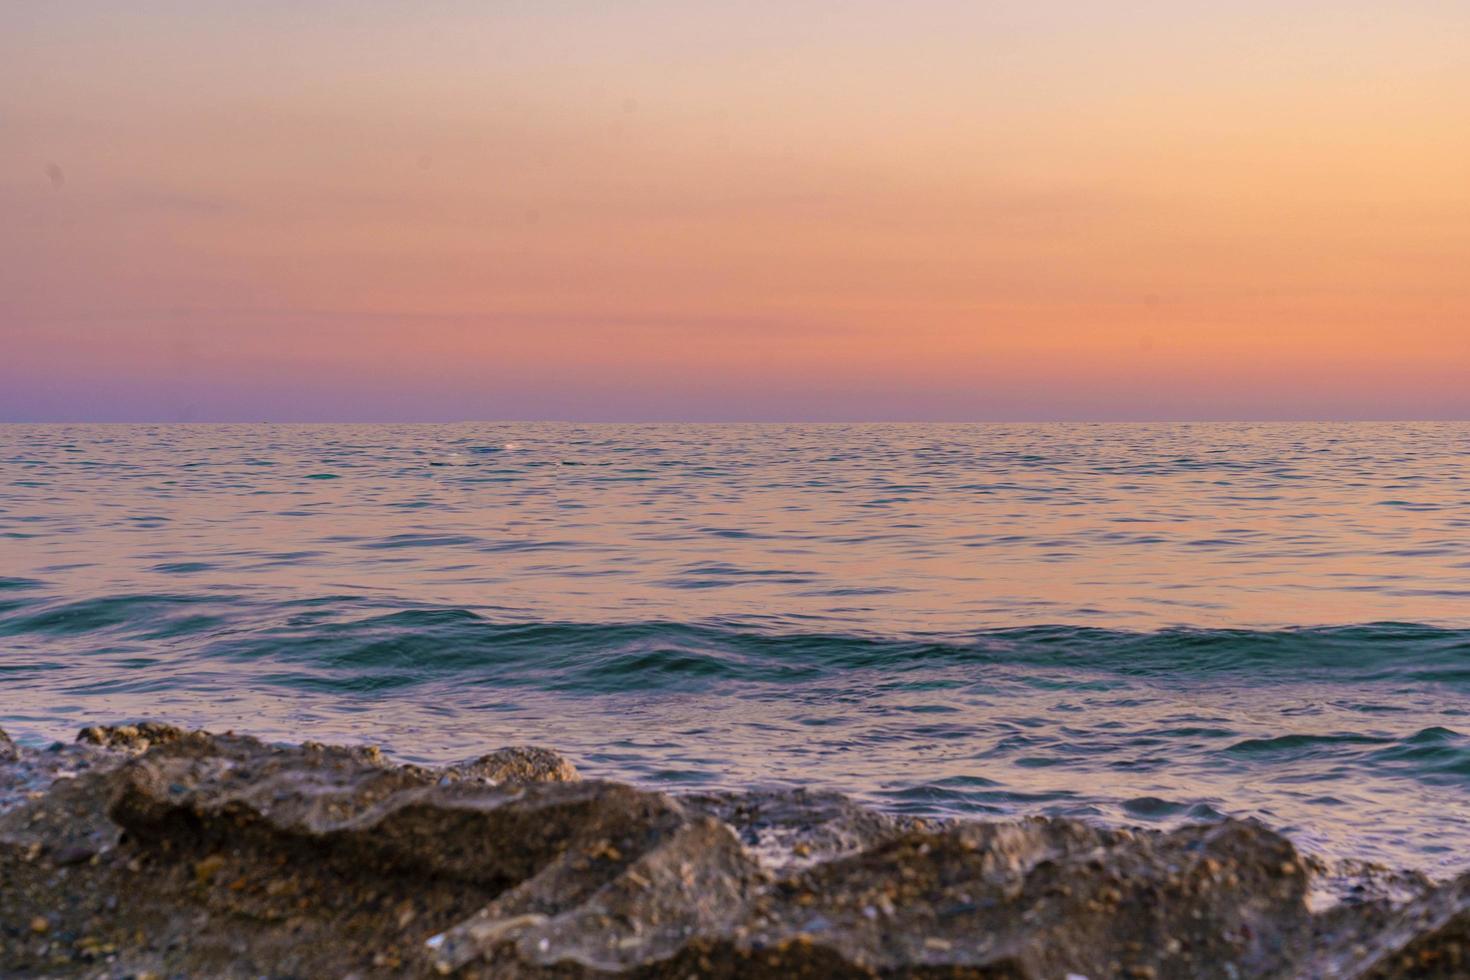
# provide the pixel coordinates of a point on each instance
(1151, 623)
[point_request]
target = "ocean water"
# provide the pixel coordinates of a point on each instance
(1143, 624)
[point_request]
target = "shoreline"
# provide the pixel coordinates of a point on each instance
(146, 850)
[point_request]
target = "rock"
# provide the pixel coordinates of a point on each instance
(68, 823)
(215, 790)
(1426, 937)
(607, 915)
(220, 855)
(8, 750)
(131, 738)
(515, 764)
(798, 827)
(1046, 897)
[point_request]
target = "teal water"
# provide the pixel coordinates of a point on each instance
(1140, 624)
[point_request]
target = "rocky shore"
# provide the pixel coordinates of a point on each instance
(148, 851)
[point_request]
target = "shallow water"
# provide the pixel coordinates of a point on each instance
(1142, 623)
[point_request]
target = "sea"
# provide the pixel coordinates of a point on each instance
(1141, 624)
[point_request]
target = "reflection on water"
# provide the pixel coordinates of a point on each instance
(1147, 623)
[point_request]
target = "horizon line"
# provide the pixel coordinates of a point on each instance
(735, 421)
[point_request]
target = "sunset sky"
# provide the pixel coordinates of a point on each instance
(679, 210)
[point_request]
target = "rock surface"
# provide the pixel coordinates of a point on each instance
(146, 850)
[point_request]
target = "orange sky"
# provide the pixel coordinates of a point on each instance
(683, 210)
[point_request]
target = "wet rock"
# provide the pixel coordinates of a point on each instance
(363, 822)
(1045, 898)
(130, 738)
(52, 804)
(220, 855)
(8, 751)
(1426, 937)
(515, 764)
(787, 828)
(351, 808)
(591, 909)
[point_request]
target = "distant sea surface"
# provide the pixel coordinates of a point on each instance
(1143, 624)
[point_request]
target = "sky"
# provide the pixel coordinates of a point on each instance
(668, 209)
